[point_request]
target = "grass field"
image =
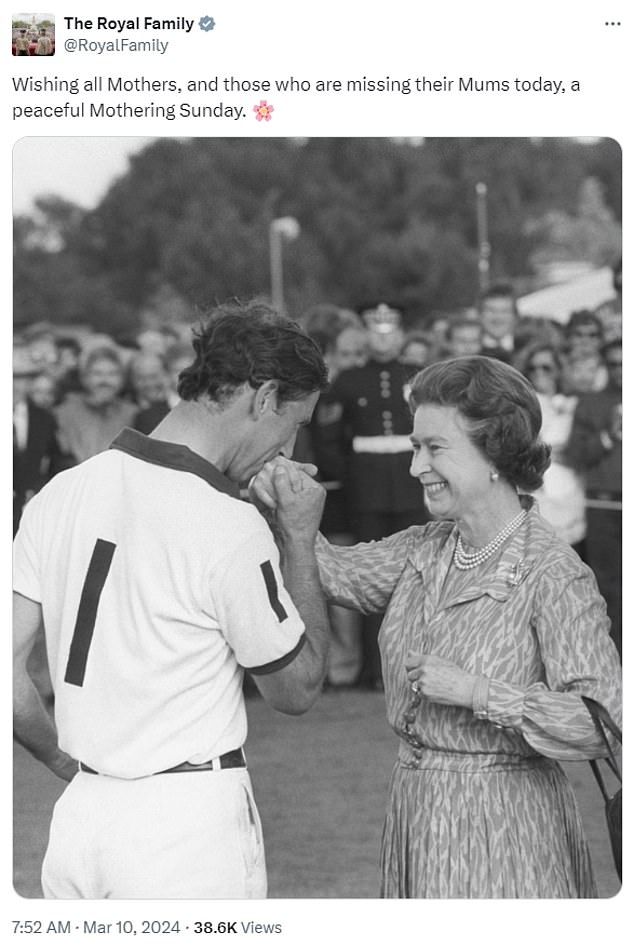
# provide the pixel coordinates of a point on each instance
(320, 783)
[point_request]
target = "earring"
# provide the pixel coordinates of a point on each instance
(494, 475)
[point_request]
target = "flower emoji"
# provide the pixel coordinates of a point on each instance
(263, 111)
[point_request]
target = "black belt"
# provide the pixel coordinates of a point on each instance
(230, 759)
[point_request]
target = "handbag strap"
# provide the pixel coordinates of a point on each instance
(599, 779)
(603, 720)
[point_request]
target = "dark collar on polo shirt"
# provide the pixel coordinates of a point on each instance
(173, 456)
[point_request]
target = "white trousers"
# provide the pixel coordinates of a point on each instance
(171, 836)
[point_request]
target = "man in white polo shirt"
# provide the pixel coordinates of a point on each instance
(157, 587)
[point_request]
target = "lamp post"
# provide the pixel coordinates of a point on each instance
(279, 229)
(484, 247)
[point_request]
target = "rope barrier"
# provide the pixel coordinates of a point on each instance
(604, 504)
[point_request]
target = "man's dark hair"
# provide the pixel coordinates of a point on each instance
(67, 342)
(455, 324)
(501, 290)
(249, 344)
(583, 317)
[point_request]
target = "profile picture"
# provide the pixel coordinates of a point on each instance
(33, 34)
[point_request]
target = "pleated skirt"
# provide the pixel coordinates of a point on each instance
(466, 827)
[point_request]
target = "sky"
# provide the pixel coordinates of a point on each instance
(79, 169)
(27, 17)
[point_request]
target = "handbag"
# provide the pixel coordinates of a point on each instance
(603, 721)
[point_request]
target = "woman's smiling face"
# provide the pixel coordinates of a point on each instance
(455, 474)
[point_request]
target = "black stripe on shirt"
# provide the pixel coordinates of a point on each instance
(271, 589)
(87, 613)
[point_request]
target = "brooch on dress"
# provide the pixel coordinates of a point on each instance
(517, 573)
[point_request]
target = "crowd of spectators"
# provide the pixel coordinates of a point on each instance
(72, 395)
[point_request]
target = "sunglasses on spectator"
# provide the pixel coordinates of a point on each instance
(612, 362)
(546, 366)
(586, 332)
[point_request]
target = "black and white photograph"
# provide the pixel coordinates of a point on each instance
(317, 461)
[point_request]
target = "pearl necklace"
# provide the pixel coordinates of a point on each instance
(464, 560)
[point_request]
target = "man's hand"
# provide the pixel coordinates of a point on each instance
(32, 725)
(440, 680)
(261, 489)
(299, 504)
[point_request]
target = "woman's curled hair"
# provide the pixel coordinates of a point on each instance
(503, 413)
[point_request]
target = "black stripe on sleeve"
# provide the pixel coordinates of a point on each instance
(271, 589)
(280, 663)
(87, 612)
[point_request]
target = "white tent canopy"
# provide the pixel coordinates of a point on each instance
(589, 290)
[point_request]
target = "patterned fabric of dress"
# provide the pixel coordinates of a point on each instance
(479, 807)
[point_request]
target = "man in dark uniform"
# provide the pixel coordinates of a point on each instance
(368, 422)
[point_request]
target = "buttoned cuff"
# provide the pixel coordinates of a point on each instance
(504, 705)
(480, 697)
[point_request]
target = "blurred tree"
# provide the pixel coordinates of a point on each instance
(51, 282)
(380, 218)
(591, 235)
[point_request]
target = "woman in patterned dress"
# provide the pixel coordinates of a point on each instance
(493, 630)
